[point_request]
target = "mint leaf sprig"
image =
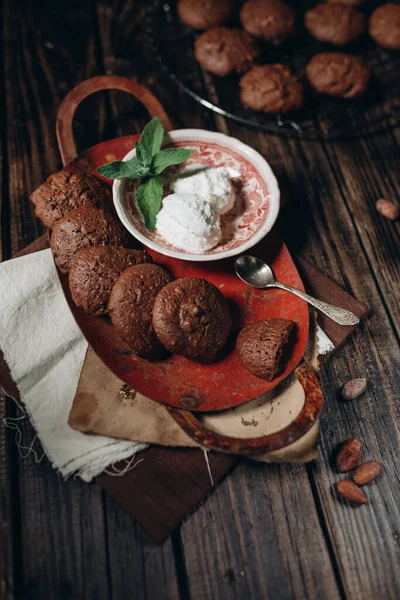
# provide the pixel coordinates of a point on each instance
(150, 161)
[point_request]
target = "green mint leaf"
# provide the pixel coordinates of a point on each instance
(123, 168)
(152, 137)
(142, 156)
(148, 198)
(139, 169)
(168, 157)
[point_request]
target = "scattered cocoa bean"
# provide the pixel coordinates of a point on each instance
(387, 209)
(349, 490)
(354, 388)
(348, 455)
(367, 472)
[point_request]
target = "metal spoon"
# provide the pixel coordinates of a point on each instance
(256, 273)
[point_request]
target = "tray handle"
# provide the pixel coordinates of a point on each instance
(313, 402)
(68, 106)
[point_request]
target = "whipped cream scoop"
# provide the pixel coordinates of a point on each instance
(189, 222)
(210, 183)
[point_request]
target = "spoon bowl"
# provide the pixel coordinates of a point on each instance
(254, 271)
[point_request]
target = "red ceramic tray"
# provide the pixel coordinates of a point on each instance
(177, 381)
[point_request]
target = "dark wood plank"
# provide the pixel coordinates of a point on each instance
(9, 501)
(126, 52)
(260, 539)
(139, 568)
(7, 541)
(367, 170)
(4, 237)
(64, 541)
(365, 540)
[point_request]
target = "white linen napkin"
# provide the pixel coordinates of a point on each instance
(325, 345)
(45, 350)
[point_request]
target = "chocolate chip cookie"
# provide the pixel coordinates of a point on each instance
(338, 74)
(80, 228)
(223, 51)
(131, 306)
(335, 23)
(191, 318)
(94, 271)
(205, 14)
(384, 26)
(272, 20)
(260, 346)
(64, 191)
(271, 89)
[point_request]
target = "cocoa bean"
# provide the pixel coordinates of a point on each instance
(349, 490)
(348, 455)
(367, 472)
(387, 209)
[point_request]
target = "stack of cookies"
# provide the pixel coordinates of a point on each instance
(154, 314)
(273, 88)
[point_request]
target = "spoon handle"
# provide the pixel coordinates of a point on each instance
(340, 315)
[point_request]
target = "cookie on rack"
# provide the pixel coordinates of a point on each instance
(94, 271)
(131, 307)
(261, 345)
(191, 317)
(334, 23)
(384, 26)
(338, 74)
(65, 191)
(271, 89)
(206, 14)
(80, 228)
(223, 51)
(271, 20)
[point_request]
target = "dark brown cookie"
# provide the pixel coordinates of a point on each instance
(271, 89)
(83, 227)
(191, 318)
(384, 26)
(260, 346)
(94, 271)
(338, 74)
(131, 306)
(205, 14)
(223, 51)
(64, 191)
(272, 20)
(335, 23)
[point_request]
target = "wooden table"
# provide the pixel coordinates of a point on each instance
(271, 532)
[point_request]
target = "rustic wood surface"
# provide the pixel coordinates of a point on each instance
(271, 532)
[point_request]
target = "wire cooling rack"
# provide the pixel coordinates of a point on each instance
(321, 117)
